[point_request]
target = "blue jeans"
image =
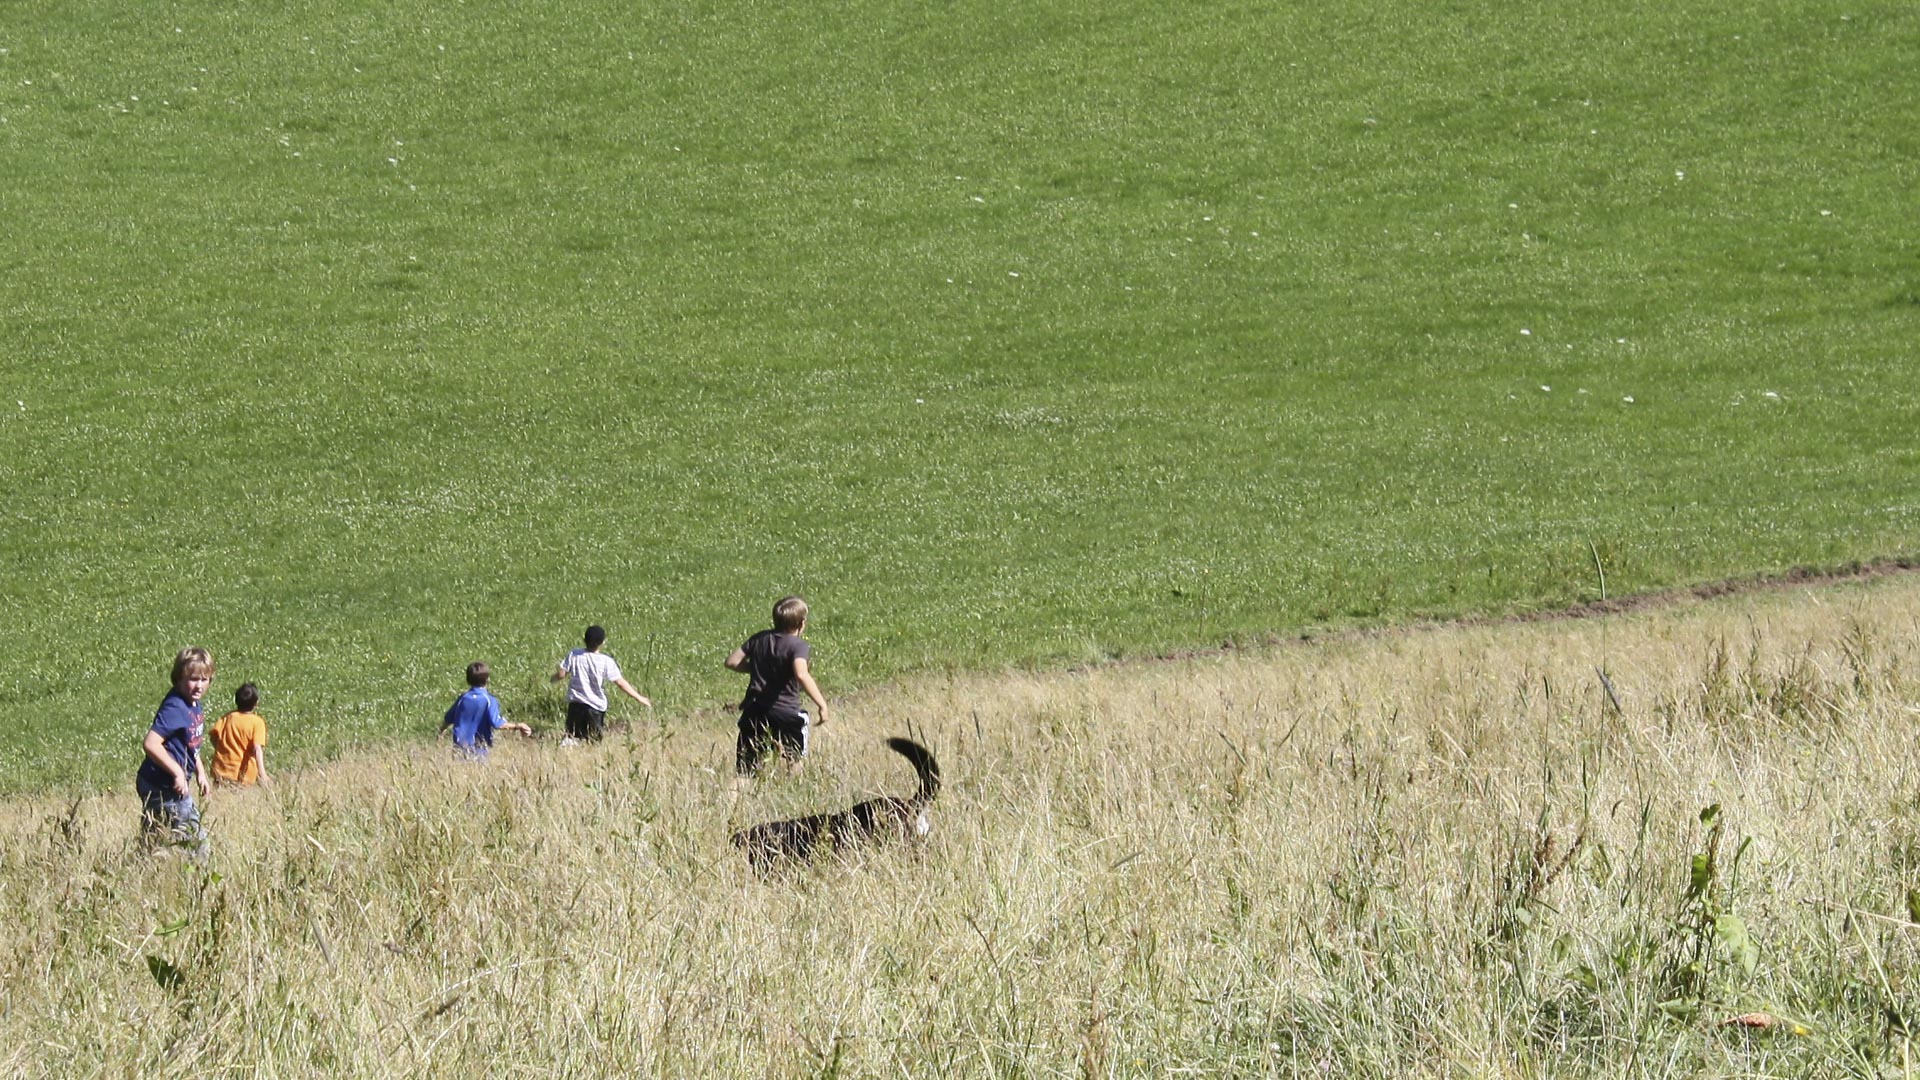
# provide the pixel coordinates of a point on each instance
(170, 819)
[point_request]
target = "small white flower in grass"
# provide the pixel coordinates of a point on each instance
(22, 404)
(1582, 390)
(1013, 273)
(135, 97)
(393, 161)
(1209, 217)
(978, 199)
(1772, 395)
(1619, 341)
(1253, 234)
(1513, 206)
(1823, 213)
(1545, 389)
(1679, 174)
(919, 401)
(1628, 399)
(1524, 332)
(949, 281)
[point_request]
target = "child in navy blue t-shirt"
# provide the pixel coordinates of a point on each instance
(172, 764)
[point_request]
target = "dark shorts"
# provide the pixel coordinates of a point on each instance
(762, 737)
(585, 722)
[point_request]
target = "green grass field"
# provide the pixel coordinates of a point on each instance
(356, 342)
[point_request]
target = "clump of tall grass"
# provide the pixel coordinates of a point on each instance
(1443, 852)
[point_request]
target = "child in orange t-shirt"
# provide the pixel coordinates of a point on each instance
(240, 741)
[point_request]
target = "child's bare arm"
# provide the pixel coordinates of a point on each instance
(737, 661)
(260, 759)
(156, 748)
(804, 677)
(627, 688)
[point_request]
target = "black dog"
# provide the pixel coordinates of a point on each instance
(796, 839)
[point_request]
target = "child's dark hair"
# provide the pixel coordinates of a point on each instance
(246, 697)
(596, 637)
(477, 673)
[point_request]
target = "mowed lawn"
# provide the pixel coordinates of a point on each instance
(357, 342)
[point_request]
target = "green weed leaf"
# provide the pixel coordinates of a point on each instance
(165, 974)
(1684, 1009)
(172, 928)
(1701, 877)
(1731, 932)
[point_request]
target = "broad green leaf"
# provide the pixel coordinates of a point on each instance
(165, 974)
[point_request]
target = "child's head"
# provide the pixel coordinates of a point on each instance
(247, 698)
(790, 615)
(596, 637)
(192, 665)
(477, 673)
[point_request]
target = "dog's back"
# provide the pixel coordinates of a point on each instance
(863, 823)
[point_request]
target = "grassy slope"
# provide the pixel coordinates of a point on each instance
(366, 342)
(1437, 854)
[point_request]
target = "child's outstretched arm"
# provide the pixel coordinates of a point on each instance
(627, 688)
(805, 678)
(737, 661)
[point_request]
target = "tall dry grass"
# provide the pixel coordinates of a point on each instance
(1435, 853)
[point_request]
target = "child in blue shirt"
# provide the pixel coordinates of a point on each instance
(475, 716)
(172, 764)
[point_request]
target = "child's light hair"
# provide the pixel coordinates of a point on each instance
(192, 660)
(789, 614)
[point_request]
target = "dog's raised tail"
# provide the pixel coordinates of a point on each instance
(923, 764)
